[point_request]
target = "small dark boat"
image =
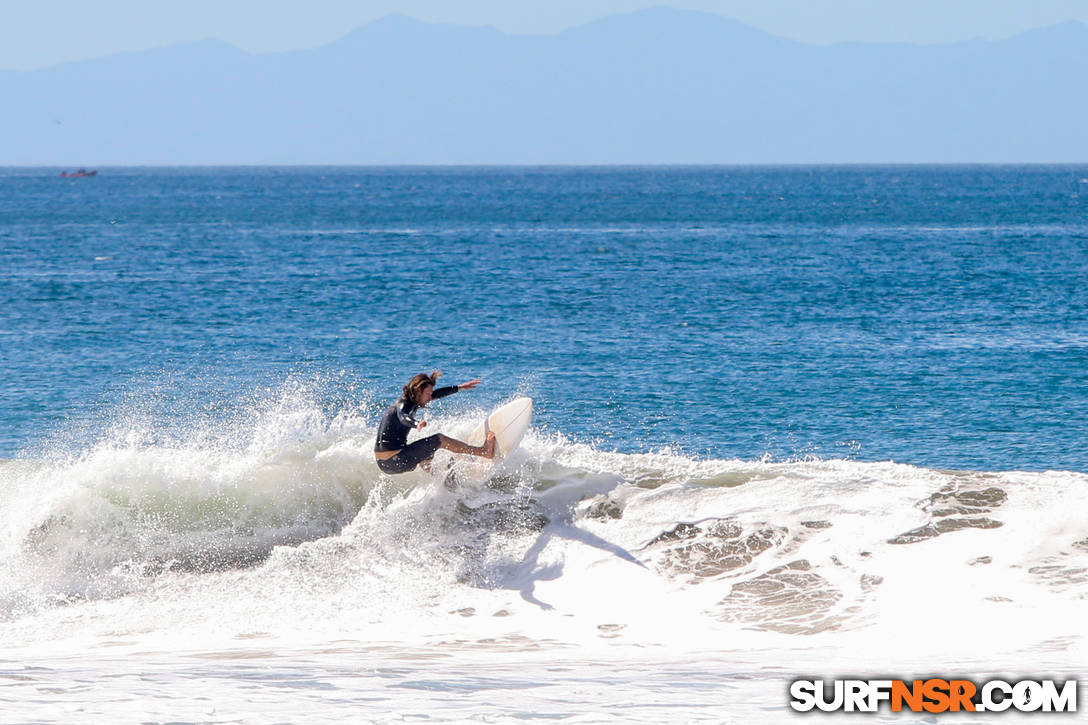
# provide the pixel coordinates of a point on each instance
(78, 174)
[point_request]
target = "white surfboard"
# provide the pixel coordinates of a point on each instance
(509, 423)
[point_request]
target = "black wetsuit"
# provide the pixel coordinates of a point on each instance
(393, 432)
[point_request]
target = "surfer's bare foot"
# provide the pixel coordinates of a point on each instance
(489, 445)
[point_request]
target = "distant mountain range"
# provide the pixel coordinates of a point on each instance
(653, 86)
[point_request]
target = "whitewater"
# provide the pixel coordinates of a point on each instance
(264, 570)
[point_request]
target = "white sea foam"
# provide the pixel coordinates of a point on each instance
(281, 546)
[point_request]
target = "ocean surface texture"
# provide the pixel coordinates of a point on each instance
(790, 422)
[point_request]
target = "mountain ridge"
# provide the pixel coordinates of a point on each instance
(658, 85)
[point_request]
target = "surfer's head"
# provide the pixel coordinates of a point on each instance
(419, 388)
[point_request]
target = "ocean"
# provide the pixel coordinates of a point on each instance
(789, 422)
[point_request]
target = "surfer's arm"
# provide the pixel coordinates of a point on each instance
(443, 392)
(450, 390)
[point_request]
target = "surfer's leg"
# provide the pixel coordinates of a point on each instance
(412, 455)
(487, 450)
(422, 451)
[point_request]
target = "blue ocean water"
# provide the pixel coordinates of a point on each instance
(935, 316)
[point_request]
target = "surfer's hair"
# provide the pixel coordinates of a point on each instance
(415, 387)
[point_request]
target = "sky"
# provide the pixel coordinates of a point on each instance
(40, 33)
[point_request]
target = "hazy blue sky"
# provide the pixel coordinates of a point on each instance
(38, 33)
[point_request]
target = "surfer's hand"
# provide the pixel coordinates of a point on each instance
(469, 385)
(420, 424)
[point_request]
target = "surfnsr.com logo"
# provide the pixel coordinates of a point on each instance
(934, 695)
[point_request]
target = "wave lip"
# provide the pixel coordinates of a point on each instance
(89, 528)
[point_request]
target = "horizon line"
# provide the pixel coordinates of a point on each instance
(573, 165)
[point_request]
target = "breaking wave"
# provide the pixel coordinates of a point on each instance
(287, 522)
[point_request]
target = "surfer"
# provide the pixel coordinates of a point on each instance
(391, 448)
